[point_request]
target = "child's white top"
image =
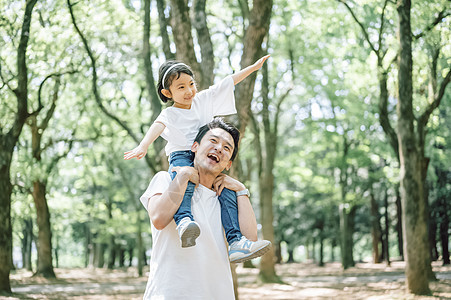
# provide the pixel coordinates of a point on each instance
(201, 272)
(182, 125)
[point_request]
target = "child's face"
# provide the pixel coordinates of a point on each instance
(182, 91)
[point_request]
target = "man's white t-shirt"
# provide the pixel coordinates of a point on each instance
(198, 272)
(182, 125)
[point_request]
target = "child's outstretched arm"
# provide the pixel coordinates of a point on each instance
(240, 75)
(154, 131)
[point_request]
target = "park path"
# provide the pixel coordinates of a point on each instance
(300, 281)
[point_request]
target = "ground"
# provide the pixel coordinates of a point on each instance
(300, 281)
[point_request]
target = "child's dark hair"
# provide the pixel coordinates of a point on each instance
(169, 71)
(220, 123)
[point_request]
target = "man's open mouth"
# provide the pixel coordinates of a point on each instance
(213, 157)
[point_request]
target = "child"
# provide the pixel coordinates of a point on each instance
(179, 125)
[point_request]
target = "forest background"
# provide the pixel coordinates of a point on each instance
(346, 128)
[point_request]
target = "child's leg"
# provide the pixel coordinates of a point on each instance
(181, 159)
(240, 248)
(229, 215)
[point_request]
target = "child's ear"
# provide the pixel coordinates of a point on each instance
(229, 165)
(166, 93)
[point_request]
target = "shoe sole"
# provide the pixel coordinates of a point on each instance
(190, 235)
(258, 253)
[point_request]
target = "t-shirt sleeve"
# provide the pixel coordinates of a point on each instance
(219, 99)
(170, 133)
(158, 185)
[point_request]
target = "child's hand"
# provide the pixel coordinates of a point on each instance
(187, 173)
(225, 181)
(138, 152)
(259, 63)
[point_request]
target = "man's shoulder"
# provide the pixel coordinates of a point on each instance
(162, 176)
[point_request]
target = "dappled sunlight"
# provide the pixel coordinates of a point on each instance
(364, 281)
(300, 281)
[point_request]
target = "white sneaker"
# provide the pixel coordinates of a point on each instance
(188, 232)
(244, 249)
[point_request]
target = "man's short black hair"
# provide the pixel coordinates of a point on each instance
(220, 123)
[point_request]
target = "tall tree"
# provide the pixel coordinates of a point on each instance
(380, 49)
(95, 87)
(204, 39)
(163, 21)
(150, 83)
(39, 191)
(182, 32)
(259, 20)
(347, 211)
(266, 151)
(8, 140)
(413, 161)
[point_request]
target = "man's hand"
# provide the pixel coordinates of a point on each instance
(187, 173)
(225, 181)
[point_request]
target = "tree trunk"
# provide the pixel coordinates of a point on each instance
(121, 256)
(235, 280)
(204, 40)
(321, 249)
(183, 39)
(290, 255)
(278, 251)
(416, 248)
(144, 257)
(267, 268)
(399, 223)
(386, 230)
(161, 6)
(93, 254)
(375, 231)
(88, 244)
(7, 144)
(382, 240)
(444, 235)
(5, 220)
(333, 245)
(45, 263)
(312, 251)
(160, 157)
(443, 212)
(266, 183)
(56, 251)
(27, 243)
(45, 260)
(259, 20)
(130, 258)
(111, 238)
(112, 251)
(346, 233)
(100, 247)
(432, 232)
(140, 249)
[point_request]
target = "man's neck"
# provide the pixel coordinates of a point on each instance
(207, 179)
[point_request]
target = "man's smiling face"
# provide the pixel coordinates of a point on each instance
(214, 151)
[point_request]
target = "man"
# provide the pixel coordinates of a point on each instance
(202, 271)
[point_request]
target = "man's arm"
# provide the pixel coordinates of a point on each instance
(246, 218)
(246, 215)
(162, 207)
